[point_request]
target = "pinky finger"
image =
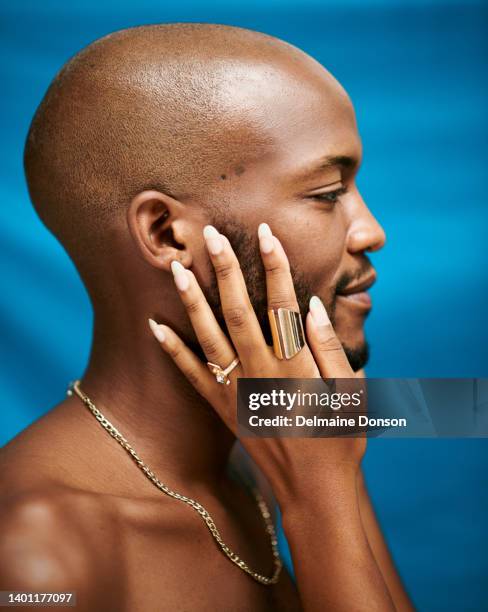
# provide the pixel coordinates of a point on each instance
(186, 360)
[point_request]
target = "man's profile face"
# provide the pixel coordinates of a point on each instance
(325, 233)
(233, 129)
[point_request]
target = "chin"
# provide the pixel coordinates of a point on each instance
(354, 342)
(357, 356)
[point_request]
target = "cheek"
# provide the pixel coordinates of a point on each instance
(314, 243)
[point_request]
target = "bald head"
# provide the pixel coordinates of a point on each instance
(150, 133)
(163, 107)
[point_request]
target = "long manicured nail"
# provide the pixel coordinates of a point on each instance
(179, 274)
(215, 244)
(318, 312)
(266, 243)
(157, 330)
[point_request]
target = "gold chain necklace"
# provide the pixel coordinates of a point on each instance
(74, 387)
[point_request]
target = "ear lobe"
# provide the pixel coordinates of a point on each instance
(150, 217)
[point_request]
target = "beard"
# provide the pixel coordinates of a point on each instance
(246, 248)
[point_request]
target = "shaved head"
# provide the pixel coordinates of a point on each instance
(150, 133)
(159, 107)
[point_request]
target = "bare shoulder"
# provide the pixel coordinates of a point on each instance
(48, 542)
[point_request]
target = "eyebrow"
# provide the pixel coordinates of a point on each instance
(325, 163)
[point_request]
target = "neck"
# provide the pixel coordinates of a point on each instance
(136, 385)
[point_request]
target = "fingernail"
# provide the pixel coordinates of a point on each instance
(213, 240)
(266, 243)
(179, 274)
(318, 312)
(264, 230)
(209, 231)
(157, 330)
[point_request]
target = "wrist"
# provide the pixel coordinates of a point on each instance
(335, 506)
(332, 487)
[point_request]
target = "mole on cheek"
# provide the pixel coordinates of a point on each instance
(238, 170)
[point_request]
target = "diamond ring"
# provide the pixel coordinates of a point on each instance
(221, 375)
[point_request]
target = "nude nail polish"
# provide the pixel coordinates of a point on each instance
(180, 276)
(264, 231)
(213, 240)
(157, 330)
(318, 312)
(209, 231)
(266, 243)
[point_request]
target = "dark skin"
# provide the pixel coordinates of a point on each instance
(86, 516)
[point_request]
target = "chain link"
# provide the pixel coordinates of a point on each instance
(212, 527)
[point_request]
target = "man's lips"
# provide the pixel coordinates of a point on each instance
(363, 285)
(356, 294)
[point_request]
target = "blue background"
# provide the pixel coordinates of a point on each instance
(416, 72)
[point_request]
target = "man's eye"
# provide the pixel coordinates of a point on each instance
(330, 196)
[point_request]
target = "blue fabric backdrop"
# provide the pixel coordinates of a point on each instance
(416, 72)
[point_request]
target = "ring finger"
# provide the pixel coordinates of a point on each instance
(239, 315)
(212, 339)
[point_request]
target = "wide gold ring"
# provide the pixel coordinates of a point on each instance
(221, 374)
(287, 331)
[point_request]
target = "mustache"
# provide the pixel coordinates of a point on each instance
(365, 268)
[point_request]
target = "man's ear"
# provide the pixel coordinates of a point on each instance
(156, 225)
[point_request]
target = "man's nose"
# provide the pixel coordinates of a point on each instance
(365, 233)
